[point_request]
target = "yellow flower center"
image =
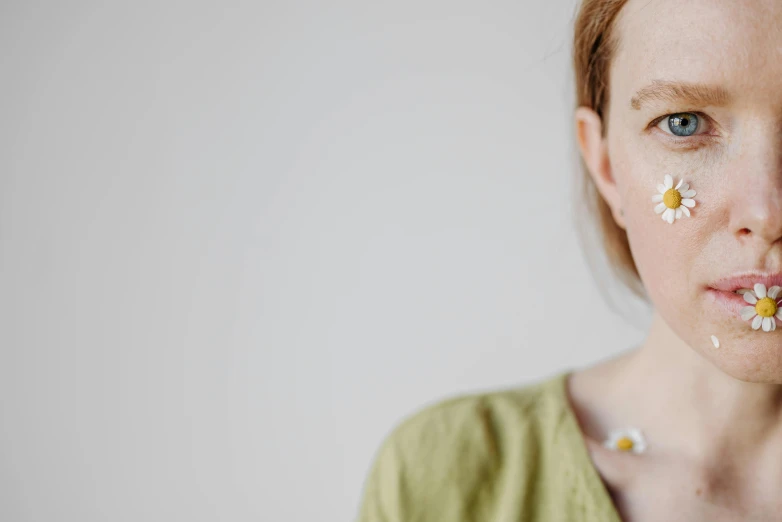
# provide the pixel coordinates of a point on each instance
(624, 444)
(672, 198)
(766, 307)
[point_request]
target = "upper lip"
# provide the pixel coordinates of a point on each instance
(747, 280)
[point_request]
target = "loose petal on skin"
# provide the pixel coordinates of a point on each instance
(756, 322)
(748, 312)
(715, 341)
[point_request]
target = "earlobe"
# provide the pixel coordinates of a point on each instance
(594, 151)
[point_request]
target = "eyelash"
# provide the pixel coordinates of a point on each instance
(683, 140)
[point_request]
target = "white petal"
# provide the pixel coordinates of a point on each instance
(773, 292)
(659, 208)
(684, 188)
(715, 341)
(679, 184)
(661, 188)
(773, 324)
(779, 313)
(679, 212)
(668, 216)
(748, 312)
(685, 211)
(760, 290)
(743, 290)
(612, 439)
(688, 202)
(657, 198)
(756, 322)
(750, 298)
(668, 181)
(766, 324)
(688, 194)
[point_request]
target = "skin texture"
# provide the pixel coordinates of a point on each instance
(712, 416)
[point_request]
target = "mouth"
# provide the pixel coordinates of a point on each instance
(730, 301)
(747, 281)
(728, 293)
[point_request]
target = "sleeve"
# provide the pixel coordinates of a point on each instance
(383, 498)
(438, 465)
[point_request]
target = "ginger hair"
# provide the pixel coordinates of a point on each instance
(594, 45)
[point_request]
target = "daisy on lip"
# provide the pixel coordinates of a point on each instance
(673, 202)
(765, 306)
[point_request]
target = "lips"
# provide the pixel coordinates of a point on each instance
(747, 281)
(731, 302)
(724, 292)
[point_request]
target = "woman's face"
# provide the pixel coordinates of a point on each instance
(727, 146)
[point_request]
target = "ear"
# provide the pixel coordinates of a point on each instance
(594, 150)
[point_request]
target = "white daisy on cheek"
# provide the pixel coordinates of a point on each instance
(765, 306)
(673, 202)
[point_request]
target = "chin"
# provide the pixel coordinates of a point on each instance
(749, 357)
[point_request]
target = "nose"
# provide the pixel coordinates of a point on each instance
(756, 209)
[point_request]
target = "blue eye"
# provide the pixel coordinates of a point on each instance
(683, 123)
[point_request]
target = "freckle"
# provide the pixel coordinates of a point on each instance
(698, 491)
(715, 341)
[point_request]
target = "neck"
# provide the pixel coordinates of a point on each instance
(693, 407)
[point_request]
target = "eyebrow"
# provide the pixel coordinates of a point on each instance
(692, 93)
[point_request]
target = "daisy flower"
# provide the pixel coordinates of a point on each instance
(765, 306)
(673, 202)
(631, 440)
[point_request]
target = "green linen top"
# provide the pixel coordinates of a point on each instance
(511, 455)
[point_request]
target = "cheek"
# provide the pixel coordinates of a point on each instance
(663, 255)
(667, 255)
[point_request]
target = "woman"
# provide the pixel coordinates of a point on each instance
(678, 123)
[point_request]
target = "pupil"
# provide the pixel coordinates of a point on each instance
(683, 125)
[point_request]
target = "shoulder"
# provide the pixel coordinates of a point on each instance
(477, 422)
(451, 452)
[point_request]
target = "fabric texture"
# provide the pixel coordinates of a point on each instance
(514, 455)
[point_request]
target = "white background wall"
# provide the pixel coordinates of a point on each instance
(240, 241)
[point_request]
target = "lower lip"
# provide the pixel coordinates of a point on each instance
(730, 302)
